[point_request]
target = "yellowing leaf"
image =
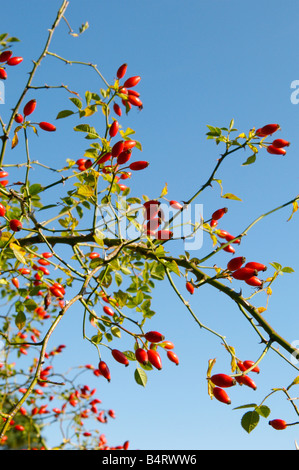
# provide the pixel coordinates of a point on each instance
(295, 208)
(164, 191)
(231, 196)
(269, 291)
(209, 371)
(15, 141)
(261, 309)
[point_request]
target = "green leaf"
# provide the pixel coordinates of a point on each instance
(287, 269)
(250, 405)
(20, 320)
(263, 411)
(130, 355)
(172, 266)
(250, 160)
(35, 189)
(76, 102)
(250, 420)
(65, 113)
(115, 331)
(140, 377)
(30, 305)
(276, 266)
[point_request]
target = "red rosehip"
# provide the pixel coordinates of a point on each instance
(140, 165)
(108, 311)
(126, 445)
(117, 109)
(236, 263)
(14, 61)
(221, 395)
(164, 235)
(15, 282)
(241, 367)
(276, 151)
(132, 81)
(19, 427)
(18, 118)
(129, 144)
(103, 368)
(154, 358)
(120, 357)
(175, 205)
(254, 282)
(229, 248)
(3, 74)
(269, 129)
(29, 107)
(255, 265)
(223, 380)
(5, 56)
(222, 234)
(248, 364)
(133, 93)
(24, 271)
(151, 208)
(117, 148)
(113, 130)
(121, 71)
(219, 213)
(230, 237)
(213, 223)
(167, 345)
(2, 210)
(123, 157)
(15, 225)
(125, 176)
(278, 424)
(190, 287)
(56, 292)
(279, 143)
(47, 126)
(173, 357)
(141, 355)
(154, 336)
(104, 157)
(135, 101)
(244, 273)
(246, 380)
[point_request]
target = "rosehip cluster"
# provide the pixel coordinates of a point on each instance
(27, 111)
(132, 97)
(247, 273)
(222, 381)
(119, 153)
(7, 58)
(277, 147)
(147, 354)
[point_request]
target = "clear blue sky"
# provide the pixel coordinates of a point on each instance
(201, 62)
